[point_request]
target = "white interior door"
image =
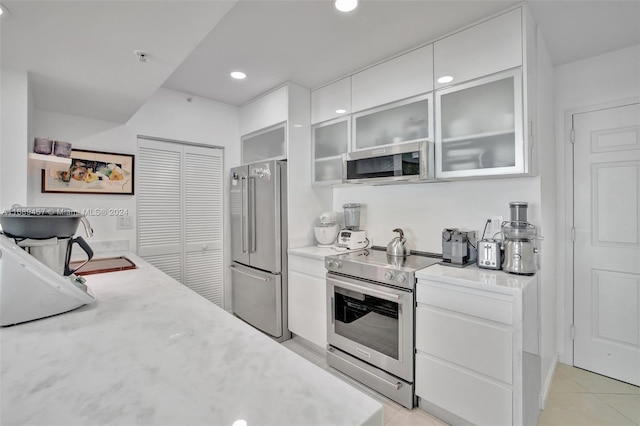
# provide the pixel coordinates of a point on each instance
(607, 242)
(180, 213)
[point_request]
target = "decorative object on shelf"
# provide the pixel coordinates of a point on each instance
(42, 146)
(92, 172)
(62, 149)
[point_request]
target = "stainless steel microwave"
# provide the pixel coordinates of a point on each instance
(394, 163)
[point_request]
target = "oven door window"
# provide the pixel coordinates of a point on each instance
(367, 320)
(405, 164)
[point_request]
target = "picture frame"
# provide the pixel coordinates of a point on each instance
(92, 172)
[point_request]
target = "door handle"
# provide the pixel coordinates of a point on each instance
(245, 212)
(265, 279)
(366, 290)
(252, 213)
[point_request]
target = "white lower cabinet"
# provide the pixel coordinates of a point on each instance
(471, 363)
(308, 299)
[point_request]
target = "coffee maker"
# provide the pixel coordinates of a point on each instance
(519, 245)
(35, 249)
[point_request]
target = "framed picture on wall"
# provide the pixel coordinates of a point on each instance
(92, 172)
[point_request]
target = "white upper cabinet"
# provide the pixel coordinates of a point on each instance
(268, 110)
(266, 144)
(480, 131)
(398, 78)
(486, 48)
(331, 101)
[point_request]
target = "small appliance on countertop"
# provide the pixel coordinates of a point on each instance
(490, 253)
(352, 237)
(520, 250)
(36, 280)
(326, 230)
(458, 247)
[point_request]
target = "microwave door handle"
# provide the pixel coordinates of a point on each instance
(245, 212)
(252, 213)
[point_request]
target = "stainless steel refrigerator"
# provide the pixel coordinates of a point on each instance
(259, 246)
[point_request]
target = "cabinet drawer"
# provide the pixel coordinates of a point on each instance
(466, 395)
(487, 305)
(307, 266)
(465, 341)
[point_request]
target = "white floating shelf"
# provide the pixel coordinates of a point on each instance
(49, 162)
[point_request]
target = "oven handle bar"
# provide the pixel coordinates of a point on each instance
(366, 290)
(395, 386)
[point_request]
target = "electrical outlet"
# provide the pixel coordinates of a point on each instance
(494, 227)
(124, 222)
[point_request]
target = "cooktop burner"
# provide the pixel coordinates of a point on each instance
(374, 264)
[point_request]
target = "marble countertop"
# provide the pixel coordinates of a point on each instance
(474, 277)
(314, 252)
(152, 352)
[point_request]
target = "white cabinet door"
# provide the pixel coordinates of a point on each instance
(405, 76)
(307, 299)
(480, 128)
(473, 397)
(486, 48)
(331, 101)
(330, 141)
(403, 121)
(268, 110)
(267, 144)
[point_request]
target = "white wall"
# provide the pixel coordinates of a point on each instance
(549, 283)
(166, 115)
(423, 210)
(606, 78)
(14, 137)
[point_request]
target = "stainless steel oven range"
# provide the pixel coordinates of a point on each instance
(371, 319)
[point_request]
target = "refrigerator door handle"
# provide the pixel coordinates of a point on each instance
(245, 212)
(252, 213)
(266, 280)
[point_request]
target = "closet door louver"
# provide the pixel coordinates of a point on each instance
(159, 206)
(180, 222)
(203, 221)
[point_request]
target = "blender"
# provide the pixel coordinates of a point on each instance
(520, 250)
(352, 237)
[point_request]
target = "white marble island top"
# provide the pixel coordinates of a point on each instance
(152, 352)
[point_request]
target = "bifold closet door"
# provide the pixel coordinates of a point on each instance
(180, 213)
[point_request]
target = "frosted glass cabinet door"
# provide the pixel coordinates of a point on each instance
(399, 122)
(480, 129)
(264, 144)
(330, 141)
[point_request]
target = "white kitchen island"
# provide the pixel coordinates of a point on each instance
(152, 352)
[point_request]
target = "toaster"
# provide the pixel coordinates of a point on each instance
(489, 254)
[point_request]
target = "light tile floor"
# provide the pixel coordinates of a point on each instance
(576, 398)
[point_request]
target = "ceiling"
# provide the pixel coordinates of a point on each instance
(81, 62)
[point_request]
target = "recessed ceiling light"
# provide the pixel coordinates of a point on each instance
(346, 5)
(3, 9)
(445, 79)
(238, 75)
(341, 111)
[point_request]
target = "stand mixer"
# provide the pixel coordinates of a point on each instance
(327, 229)
(35, 278)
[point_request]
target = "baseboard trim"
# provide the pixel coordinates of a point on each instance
(546, 387)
